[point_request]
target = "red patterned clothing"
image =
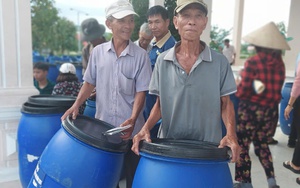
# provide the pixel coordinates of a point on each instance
(269, 69)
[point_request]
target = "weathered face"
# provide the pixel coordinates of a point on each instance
(39, 74)
(144, 39)
(121, 28)
(158, 25)
(190, 23)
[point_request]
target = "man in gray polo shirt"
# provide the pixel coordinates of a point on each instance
(193, 84)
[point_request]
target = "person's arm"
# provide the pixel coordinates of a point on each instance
(138, 105)
(295, 92)
(289, 107)
(233, 56)
(144, 133)
(84, 58)
(230, 139)
(84, 93)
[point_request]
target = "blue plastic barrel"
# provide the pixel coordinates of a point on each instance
(285, 125)
(79, 71)
(182, 163)
(38, 123)
(90, 108)
(79, 155)
(53, 72)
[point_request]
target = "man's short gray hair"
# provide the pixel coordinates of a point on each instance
(145, 29)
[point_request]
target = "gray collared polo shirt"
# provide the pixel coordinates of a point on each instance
(191, 103)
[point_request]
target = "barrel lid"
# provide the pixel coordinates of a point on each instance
(52, 100)
(30, 108)
(186, 149)
(89, 130)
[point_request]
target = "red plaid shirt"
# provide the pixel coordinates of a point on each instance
(270, 70)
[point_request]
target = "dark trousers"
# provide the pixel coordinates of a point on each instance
(131, 161)
(296, 126)
(296, 120)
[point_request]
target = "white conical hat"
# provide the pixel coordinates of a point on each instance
(268, 36)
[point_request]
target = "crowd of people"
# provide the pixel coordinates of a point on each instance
(160, 86)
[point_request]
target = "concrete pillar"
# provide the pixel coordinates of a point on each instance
(206, 34)
(16, 81)
(156, 2)
(237, 29)
(293, 31)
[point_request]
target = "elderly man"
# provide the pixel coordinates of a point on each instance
(145, 37)
(192, 84)
(120, 71)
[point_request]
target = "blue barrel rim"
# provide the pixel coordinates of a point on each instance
(31, 108)
(73, 130)
(52, 100)
(185, 149)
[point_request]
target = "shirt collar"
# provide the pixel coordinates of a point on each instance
(162, 41)
(127, 51)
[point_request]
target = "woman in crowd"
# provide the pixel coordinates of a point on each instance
(67, 82)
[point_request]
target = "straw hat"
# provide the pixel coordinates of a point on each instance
(268, 36)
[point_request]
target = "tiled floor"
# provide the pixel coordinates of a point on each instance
(285, 178)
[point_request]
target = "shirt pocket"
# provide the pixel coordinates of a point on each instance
(126, 84)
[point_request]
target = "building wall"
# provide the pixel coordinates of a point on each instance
(15, 77)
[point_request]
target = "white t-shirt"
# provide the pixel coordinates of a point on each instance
(229, 52)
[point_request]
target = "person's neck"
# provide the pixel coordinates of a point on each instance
(190, 48)
(43, 83)
(162, 36)
(145, 48)
(120, 45)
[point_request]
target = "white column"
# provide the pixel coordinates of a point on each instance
(16, 80)
(293, 31)
(237, 29)
(206, 33)
(156, 2)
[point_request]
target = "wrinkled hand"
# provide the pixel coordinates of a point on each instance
(231, 142)
(73, 110)
(287, 112)
(127, 132)
(144, 134)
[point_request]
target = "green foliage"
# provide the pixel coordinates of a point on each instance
(49, 31)
(43, 18)
(170, 6)
(217, 35)
(141, 7)
(65, 34)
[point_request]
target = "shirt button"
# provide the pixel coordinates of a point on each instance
(182, 72)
